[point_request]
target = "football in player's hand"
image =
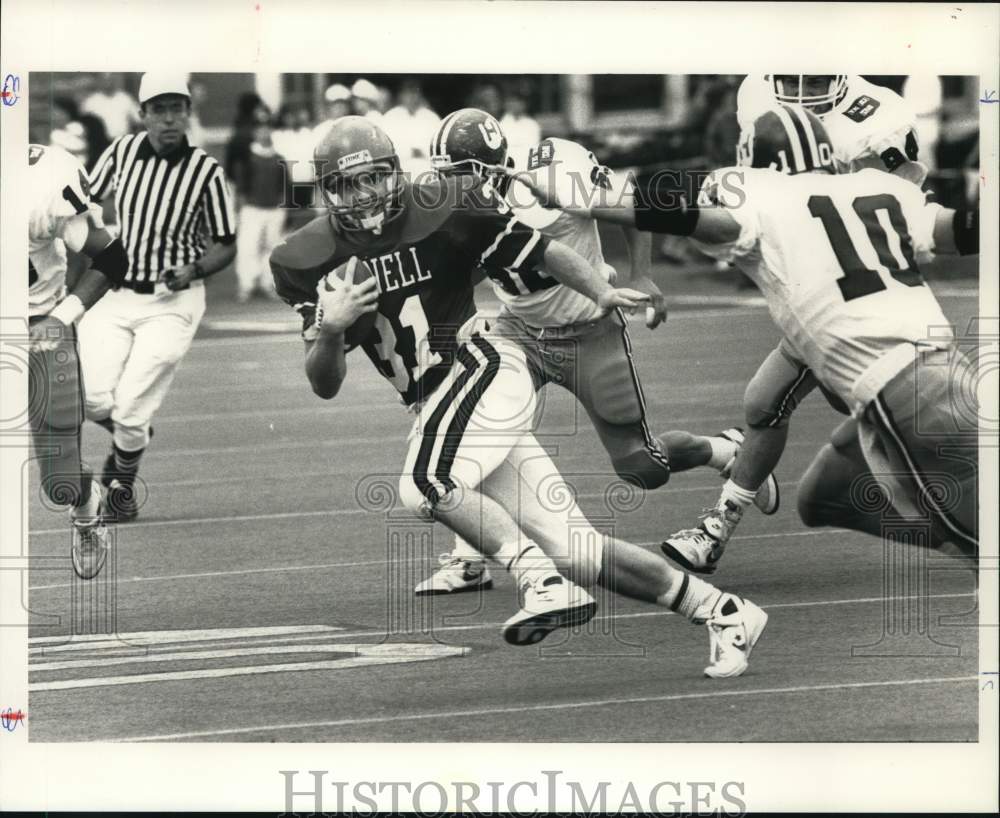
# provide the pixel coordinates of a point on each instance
(360, 329)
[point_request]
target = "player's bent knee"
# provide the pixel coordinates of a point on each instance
(98, 405)
(642, 469)
(414, 500)
(131, 438)
(814, 509)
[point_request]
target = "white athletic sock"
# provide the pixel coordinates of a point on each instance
(525, 561)
(736, 495)
(87, 513)
(691, 597)
(464, 551)
(723, 450)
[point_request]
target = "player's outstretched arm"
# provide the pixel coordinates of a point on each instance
(570, 268)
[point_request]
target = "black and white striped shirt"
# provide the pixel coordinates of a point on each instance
(167, 206)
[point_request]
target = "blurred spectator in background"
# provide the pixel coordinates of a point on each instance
(924, 94)
(67, 131)
(294, 141)
(96, 137)
(250, 111)
(260, 186)
(196, 132)
(338, 104)
(521, 130)
(410, 126)
(722, 128)
(487, 97)
(364, 100)
(115, 107)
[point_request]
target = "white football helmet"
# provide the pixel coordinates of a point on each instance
(818, 93)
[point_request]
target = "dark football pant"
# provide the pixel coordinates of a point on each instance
(594, 361)
(55, 413)
(914, 450)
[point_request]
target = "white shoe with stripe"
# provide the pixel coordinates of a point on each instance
(455, 576)
(734, 628)
(547, 604)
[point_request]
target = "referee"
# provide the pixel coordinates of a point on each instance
(177, 224)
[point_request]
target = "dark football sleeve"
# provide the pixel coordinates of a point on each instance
(498, 241)
(294, 289)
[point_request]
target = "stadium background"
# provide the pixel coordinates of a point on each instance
(641, 122)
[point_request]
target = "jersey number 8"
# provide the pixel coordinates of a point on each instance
(859, 280)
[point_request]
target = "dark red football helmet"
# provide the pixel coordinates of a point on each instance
(358, 173)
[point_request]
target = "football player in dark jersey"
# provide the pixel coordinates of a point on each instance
(472, 393)
(423, 240)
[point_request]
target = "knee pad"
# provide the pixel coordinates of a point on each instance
(131, 438)
(643, 469)
(764, 409)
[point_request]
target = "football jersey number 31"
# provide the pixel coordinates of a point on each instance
(411, 316)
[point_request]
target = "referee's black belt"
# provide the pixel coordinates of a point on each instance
(142, 287)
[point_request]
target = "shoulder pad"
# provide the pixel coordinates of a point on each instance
(308, 247)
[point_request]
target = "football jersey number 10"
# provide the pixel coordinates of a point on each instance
(412, 317)
(859, 280)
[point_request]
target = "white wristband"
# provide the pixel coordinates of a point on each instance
(69, 310)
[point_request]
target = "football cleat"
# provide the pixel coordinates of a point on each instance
(700, 549)
(768, 498)
(120, 504)
(734, 628)
(90, 548)
(455, 576)
(547, 604)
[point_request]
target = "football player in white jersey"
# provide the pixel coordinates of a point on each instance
(868, 127)
(60, 218)
(837, 258)
(565, 338)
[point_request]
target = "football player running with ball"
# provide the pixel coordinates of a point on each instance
(59, 217)
(469, 450)
(566, 339)
(868, 127)
(836, 257)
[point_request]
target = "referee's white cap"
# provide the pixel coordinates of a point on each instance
(155, 83)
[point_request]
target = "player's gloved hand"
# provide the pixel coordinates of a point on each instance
(624, 297)
(342, 302)
(656, 312)
(47, 334)
(179, 278)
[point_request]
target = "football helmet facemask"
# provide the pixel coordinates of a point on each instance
(359, 175)
(817, 93)
(469, 141)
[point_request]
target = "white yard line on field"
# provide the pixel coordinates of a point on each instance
(481, 712)
(278, 569)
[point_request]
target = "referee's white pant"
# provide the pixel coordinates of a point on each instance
(130, 347)
(260, 230)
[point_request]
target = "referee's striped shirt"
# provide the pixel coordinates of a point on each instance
(167, 206)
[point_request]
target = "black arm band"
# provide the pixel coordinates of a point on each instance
(965, 227)
(662, 206)
(113, 262)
